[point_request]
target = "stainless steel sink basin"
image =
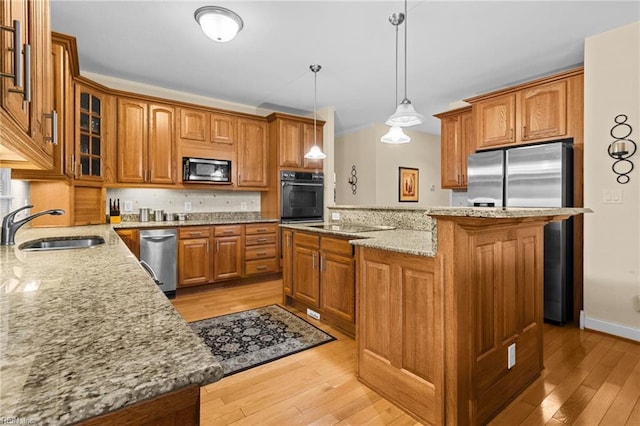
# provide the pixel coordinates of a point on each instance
(62, 243)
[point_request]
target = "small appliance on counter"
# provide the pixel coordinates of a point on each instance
(534, 176)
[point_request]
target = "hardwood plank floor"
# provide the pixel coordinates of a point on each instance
(589, 378)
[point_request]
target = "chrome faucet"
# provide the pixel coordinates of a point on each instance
(10, 226)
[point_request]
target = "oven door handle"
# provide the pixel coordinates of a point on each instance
(301, 184)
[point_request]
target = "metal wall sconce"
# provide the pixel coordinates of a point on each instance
(621, 149)
(353, 180)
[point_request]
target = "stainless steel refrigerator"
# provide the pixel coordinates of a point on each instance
(534, 176)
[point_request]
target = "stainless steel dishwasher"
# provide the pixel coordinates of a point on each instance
(158, 255)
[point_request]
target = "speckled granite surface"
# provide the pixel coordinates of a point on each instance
(358, 212)
(86, 331)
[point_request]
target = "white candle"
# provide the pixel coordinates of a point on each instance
(619, 148)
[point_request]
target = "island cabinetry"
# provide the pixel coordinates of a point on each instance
(400, 352)
(26, 99)
(227, 255)
(253, 154)
(146, 142)
(457, 142)
(319, 274)
(194, 259)
(261, 248)
(131, 238)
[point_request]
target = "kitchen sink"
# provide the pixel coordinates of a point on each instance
(62, 243)
(350, 227)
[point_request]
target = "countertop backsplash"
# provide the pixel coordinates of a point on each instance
(183, 201)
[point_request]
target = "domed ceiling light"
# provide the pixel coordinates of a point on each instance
(405, 115)
(315, 153)
(395, 135)
(218, 23)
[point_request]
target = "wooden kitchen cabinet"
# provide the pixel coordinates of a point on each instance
(261, 248)
(228, 250)
(194, 258)
(90, 133)
(146, 142)
(131, 237)
(319, 273)
(457, 142)
(535, 113)
(253, 153)
(293, 137)
(25, 111)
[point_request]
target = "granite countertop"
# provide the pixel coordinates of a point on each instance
(399, 240)
(190, 222)
(485, 212)
(86, 331)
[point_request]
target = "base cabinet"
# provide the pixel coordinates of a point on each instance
(227, 256)
(131, 238)
(194, 260)
(319, 274)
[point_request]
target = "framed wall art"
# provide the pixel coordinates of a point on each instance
(408, 184)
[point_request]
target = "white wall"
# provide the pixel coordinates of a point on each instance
(377, 166)
(612, 233)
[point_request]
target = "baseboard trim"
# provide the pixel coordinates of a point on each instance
(612, 328)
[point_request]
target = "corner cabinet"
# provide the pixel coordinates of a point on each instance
(26, 102)
(457, 142)
(253, 154)
(146, 142)
(319, 274)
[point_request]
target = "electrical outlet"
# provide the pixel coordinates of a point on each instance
(243, 205)
(313, 314)
(511, 351)
(335, 215)
(187, 206)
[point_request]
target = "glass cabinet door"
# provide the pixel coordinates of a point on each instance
(89, 135)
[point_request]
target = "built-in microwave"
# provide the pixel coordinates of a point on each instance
(206, 170)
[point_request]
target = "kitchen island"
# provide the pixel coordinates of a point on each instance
(450, 330)
(86, 336)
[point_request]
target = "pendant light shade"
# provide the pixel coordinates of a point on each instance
(315, 153)
(405, 115)
(395, 136)
(218, 23)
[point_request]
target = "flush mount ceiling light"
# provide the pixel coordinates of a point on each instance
(218, 23)
(315, 153)
(405, 115)
(395, 135)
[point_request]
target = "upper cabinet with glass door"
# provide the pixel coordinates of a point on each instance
(89, 133)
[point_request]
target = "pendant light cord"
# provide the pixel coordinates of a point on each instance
(315, 104)
(396, 102)
(405, 48)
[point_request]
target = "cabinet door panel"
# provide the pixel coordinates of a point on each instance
(544, 111)
(290, 142)
(227, 262)
(337, 286)
(194, 125)
(161, 144)
(193, 262)
(223, 128)
(132, 141)
(496, 121)
(306, 286)
(287, 262)
(450, 150)
(253, 151)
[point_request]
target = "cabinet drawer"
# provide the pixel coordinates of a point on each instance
(227, 230)
(308, 240)
(253, 240)
(261, 228)
(194, 232)
(253, 267)
(260, 252)
(337, 246)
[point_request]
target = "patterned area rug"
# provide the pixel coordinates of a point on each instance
(250, 338)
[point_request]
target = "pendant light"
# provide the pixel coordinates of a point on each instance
(315, 153)
(218, 23)
(405, 115)
(395, 135)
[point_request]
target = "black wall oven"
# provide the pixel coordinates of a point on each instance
(302, 196)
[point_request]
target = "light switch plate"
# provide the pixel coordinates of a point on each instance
(335, 215)
(128, 206)
(612, 196)
(187, 206)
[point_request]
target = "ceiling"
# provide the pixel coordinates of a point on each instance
(455, 49)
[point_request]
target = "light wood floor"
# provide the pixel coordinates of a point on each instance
(589, 378)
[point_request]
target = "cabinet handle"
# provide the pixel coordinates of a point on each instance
(261, 240)
(321, 263)
(262, 267)
(17, 42)
(289, 240)
(261, 230)
(228, 231)
(511, 133)
(26, 88)
(313, 261)
(207, 246)
(261, 253)
(524, 130)
(54, 127)
(217, 245)
(194, 234)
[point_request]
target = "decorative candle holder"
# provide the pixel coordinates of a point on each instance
(353, 180)
(621, 149)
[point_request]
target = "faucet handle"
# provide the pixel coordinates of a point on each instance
(13, 213)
